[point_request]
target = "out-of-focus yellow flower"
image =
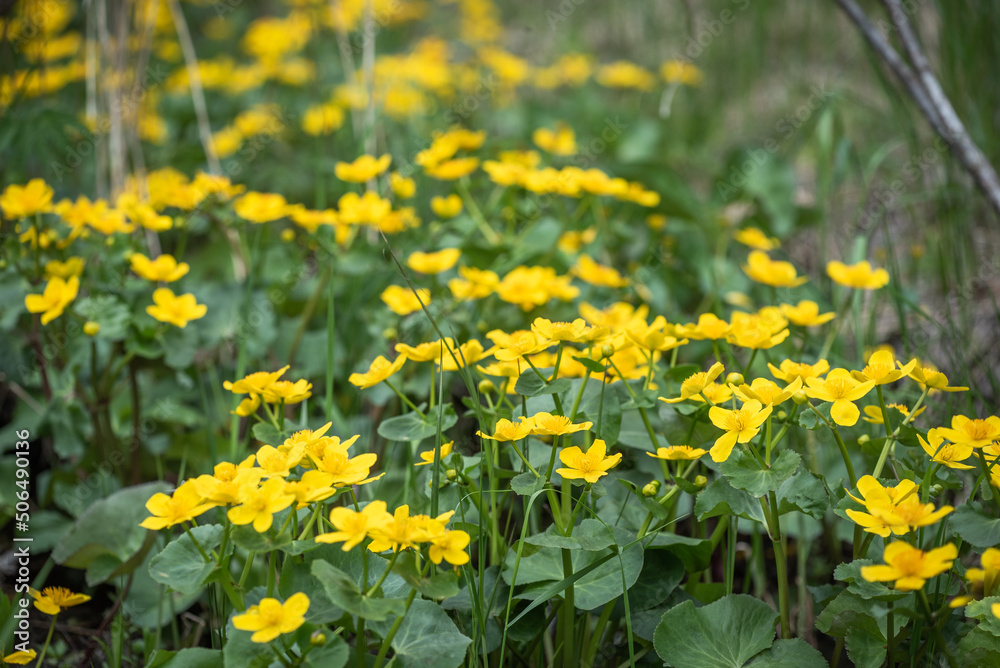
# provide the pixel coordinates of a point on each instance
(678, 453)
(598, 274)
(473, 284)
(403, 301)
(910, 567)
(561, 141)
(365, 168)
(176, 310)
(270, 618)
(428, 455)
(424, 352)
(776, 273)
(873, 414)
(756, 331)
(529, 287)
(806, 314)
(740, 426)
(572, 241)
(451, 170)
(22, 201)
(682, 72)
(364, 209)
(23, 657)
(379, 370)
(65, 270)
(755, 238)
(467, 353)
(322, 119)
(624, 74)
(91, 328)
(54, 299)
(402, 187)
(164, 268)
(591, 466)
(446, 207)
(433, 263)
(53, 600)
(859, 276)
(261, 207)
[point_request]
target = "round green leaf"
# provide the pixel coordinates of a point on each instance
(724, 634)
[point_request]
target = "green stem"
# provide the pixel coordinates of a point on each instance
(385, 574)
(781, 567)
(567, 616)
(392, 631)
(48, 639)
(402, 397)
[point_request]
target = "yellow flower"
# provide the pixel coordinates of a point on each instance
(428, 455)
(322, 119)
(714, 393)
(842, 390)
(403, 301)
(275, 463)
(756, 330)
(71, 267)
(27, 200)
(467, 353)
(806, 314)
(546, 424)
(261, 207)
(446, 207)
(895, 510)
(598, 274)
(678, 452)
(164, 268)
(910, 567)
(950, 454)
(185, 504)
(23, 657)
(379, 370)
(257, 505)
(451, 170)
(766, 392)
(754, 238)
(224, 485)
(740, 426)
(529, 287)
(175, 309)
(474, 284)
(364, 209)
(91, 328)
(270, 618)
(873, 414)
(859, 276)
(775, 273)
(679, 71)
(928, 376)
(709, 326)
(790, 370)
(54, 299)
(399, 532)
(450, 547)
(882, 368)
(573, 332)
(353, 527)
(656, 336)
(695, 383)
(345, 470)
(623, 74)
(53, 600)
(433, 263)
(506, 430)
(591, 465)
(519, 344)
(425, 352)
(975, 433)
(561, 141)
(402, 187)
(365, 168)
(255, 383)
(313, 486)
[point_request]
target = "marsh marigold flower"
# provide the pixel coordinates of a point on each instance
(740, 426)
(257, 505)
(505, 430)
(895, 510)
(271, 618)
(428, 455)
(176, 310)
(433, 263)
(928, 376)
(164, 268)
(473, 284)
(561, 141)
(806, 314)
(379, 370)
(586, 269)
(591, 465)
(27, 200)
(790, 370)
(353, 527)
(678, 453)
(451, 547)
(842, 390)
(23, 657)
(882, 368)
(754, 238)
(54, 299)
(403, 187)
(695, 383)
(451, 170)
(776, 273)
(681, 72)
(950, 454)
(709, 326)
(975, 433)
(859, 276)
(261, 207)
(366, 167)
(767, 392)
(546, 424)
(909, 567)
(65, 270)
(446, 207)
(403, 301)
(467, 353)
(53, 600)
(185, 504)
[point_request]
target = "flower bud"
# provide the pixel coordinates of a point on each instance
(935, 489)
(487, 387)
(318, 638)
(651, 488)
(451, 474)
(91, 328)
(607, 350)
(800, 397)
(782, 415)
(863, 438)
(288, 235)
(389, 333)
(700, 481)
(735, 378)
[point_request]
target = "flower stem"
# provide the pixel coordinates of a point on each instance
(781, 567)
(385, 574)
(48, 639)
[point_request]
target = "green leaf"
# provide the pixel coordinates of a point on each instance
(344, 592)
(979, 648)
(109, 531)
(866, 646)
(592, 365)
(248, 538)
(426, 637)
(439, 585)
(241, 652)
(695, 553)
(851, 573)
(720, 498)
(723, 634)
(268, 434)
(192, 657)
(411, 427)
(805, 492)
(746, 473)
(526, 483)
(794, 653)
(589, 535)
(975, 526)
(180, 566)
(661, 573)
(530, 385)
(334, 654)
(810, 420)
(982, 610)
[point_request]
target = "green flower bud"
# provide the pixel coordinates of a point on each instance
(735, 378)
(487, 387)
(651, 488)
(389, 333)
(607, 350)
(451, 474)
(782, 415)
(864, 438)
(800, 397)
(318, 638)
(700, 481)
